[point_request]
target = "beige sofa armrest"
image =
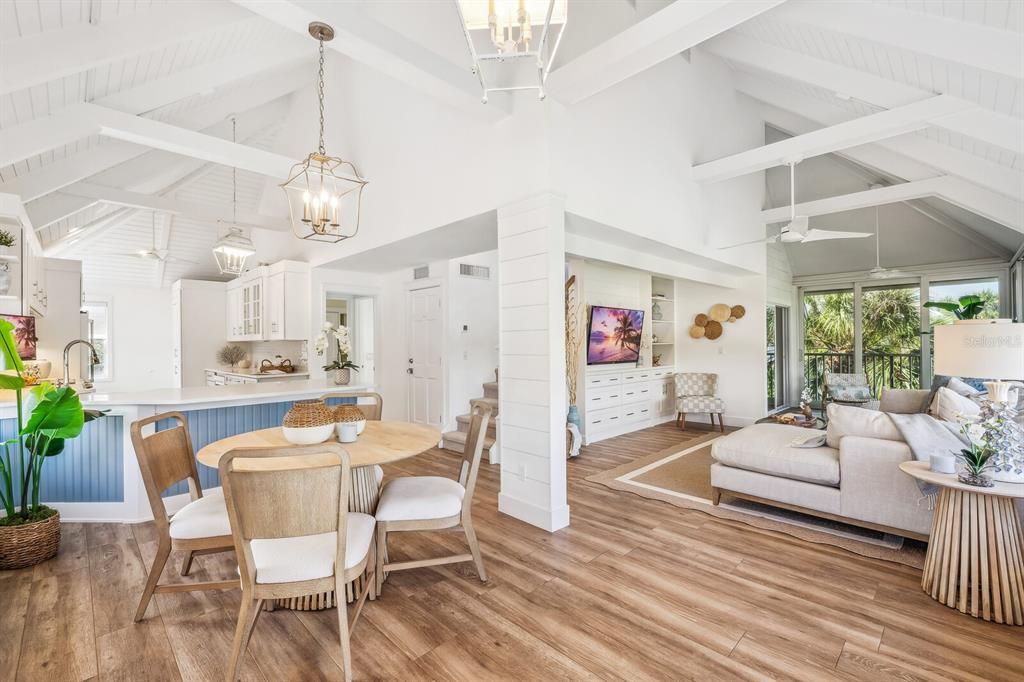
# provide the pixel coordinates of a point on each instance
(872, 487)
(903, 401)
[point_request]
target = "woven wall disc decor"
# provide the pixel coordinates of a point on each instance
(710, 325)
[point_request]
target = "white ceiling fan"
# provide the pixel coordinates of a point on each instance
(878, 272)
(797, 230)
(153, 253)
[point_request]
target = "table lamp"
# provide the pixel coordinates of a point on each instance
(989, 349)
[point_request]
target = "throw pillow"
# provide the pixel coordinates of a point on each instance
(949, 405)
(847, 420)
(962, 388)
(850, 394)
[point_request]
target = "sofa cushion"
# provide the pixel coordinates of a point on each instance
(949, 405)
(765, 448)
(846, 420)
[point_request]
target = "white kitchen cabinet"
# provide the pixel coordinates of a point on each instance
(196, 308)
(269, 303)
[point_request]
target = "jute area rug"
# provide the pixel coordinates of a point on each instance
(681, 475)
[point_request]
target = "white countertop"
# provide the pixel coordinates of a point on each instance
(212, 396)
(256, 374)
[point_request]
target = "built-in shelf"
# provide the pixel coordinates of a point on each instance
(8, 297)
(658, 298)
(8, 257)
(663, 343)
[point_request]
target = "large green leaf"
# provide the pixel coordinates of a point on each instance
(58, 414)
(8, 347)
(969, 299)
(943, 305)
(36, 441)
(11, 382)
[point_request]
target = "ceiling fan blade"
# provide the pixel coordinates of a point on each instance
(816, 235)
(768, 240)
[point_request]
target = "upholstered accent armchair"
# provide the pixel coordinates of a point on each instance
(849, 389)
(695, 392)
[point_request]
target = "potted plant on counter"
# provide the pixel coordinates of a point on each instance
(341, 367)
(29, 530)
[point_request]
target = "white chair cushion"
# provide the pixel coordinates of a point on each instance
(420, 497)
(766, 449)
(695, 403)
(308, 557)
(206, 517)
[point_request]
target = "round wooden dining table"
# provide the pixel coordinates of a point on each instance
(381, 442)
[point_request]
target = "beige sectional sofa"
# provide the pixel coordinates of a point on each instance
(854, 477)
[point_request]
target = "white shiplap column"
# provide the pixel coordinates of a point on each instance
(531, 296)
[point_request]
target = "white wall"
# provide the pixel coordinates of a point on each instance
(62, 322)
(472, 356)
(738, 356)
(141, 345)
(618, 287)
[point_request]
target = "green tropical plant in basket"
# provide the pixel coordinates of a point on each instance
(56, 415)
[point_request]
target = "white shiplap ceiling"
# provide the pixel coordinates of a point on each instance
(261, 43)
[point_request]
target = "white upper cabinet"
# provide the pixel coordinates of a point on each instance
(269, 302)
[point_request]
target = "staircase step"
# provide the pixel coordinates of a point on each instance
(491, 403)
(491, 389)
(455, 441)
(463, 420)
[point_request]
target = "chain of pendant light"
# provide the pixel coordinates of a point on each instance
(320, 85)
(234, 177)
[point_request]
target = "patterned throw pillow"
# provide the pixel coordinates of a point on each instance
(851, 394)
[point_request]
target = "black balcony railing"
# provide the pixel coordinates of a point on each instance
(772, 402)
(883, 370)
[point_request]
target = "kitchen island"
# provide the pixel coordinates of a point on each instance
(97, 477)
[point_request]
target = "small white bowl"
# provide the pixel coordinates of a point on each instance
(307, 435)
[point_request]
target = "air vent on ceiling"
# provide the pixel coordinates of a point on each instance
(422, 272)
(478, 271)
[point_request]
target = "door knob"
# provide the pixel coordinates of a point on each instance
(409, 371)
(410, 361)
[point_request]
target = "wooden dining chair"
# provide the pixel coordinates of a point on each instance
(373, 412)
(200, 527)
(294, 534)
(428, 503)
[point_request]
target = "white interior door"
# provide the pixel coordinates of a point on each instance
(425, 341)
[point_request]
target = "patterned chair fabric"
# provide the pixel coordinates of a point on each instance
(848, 388)
(695, 392)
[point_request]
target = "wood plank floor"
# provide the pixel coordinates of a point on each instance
(634, 589)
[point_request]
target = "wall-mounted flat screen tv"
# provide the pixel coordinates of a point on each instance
(24, 334)
(613, 335)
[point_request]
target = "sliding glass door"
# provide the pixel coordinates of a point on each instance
(777, 323)
(877, 327)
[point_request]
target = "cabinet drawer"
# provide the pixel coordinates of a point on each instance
(599, 420)
(632, 376)
(636, 393)
(635, 413)
(602, 380)
(604, 397)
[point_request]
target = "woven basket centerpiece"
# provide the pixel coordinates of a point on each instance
(308, 421)
(349, 414)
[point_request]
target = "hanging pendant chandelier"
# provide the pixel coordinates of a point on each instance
(500, 37)
(317, 186)
(232, 250)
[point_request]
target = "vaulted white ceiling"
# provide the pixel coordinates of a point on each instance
(113, 113)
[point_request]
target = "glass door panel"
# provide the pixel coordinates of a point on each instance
(828, 337)
(891, 333)
(951, 292)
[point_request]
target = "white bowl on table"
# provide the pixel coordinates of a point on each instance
(307, 435)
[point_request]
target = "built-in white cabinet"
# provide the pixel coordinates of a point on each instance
(270, 302)
(617, 401)
(196, 308)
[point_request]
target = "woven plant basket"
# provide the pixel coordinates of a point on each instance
(29, 544)
(348, 413)
(306, 413)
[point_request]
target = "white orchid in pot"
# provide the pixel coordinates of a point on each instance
(341, 366)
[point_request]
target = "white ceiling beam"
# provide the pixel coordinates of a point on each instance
(963, 42)
(858, 131)
(51, 55)
(71, 123)
(63, 246)
(666, 33)
(206, 213)
(866, 199)
(942, 159)
(264, 101)
(965, 194)
(980, 123)
(378, 46)
(54, 208)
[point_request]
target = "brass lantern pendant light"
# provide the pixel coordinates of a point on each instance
(234, 248)
(317, 186)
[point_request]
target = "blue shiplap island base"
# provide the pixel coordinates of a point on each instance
(97, 477)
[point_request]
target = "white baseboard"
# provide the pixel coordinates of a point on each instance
(114, 512)
(547, 519)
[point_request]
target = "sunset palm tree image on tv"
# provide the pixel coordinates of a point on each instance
(614, 335)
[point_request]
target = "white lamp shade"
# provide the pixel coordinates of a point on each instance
(980, 350)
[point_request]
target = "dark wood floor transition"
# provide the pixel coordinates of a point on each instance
(634, 589)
